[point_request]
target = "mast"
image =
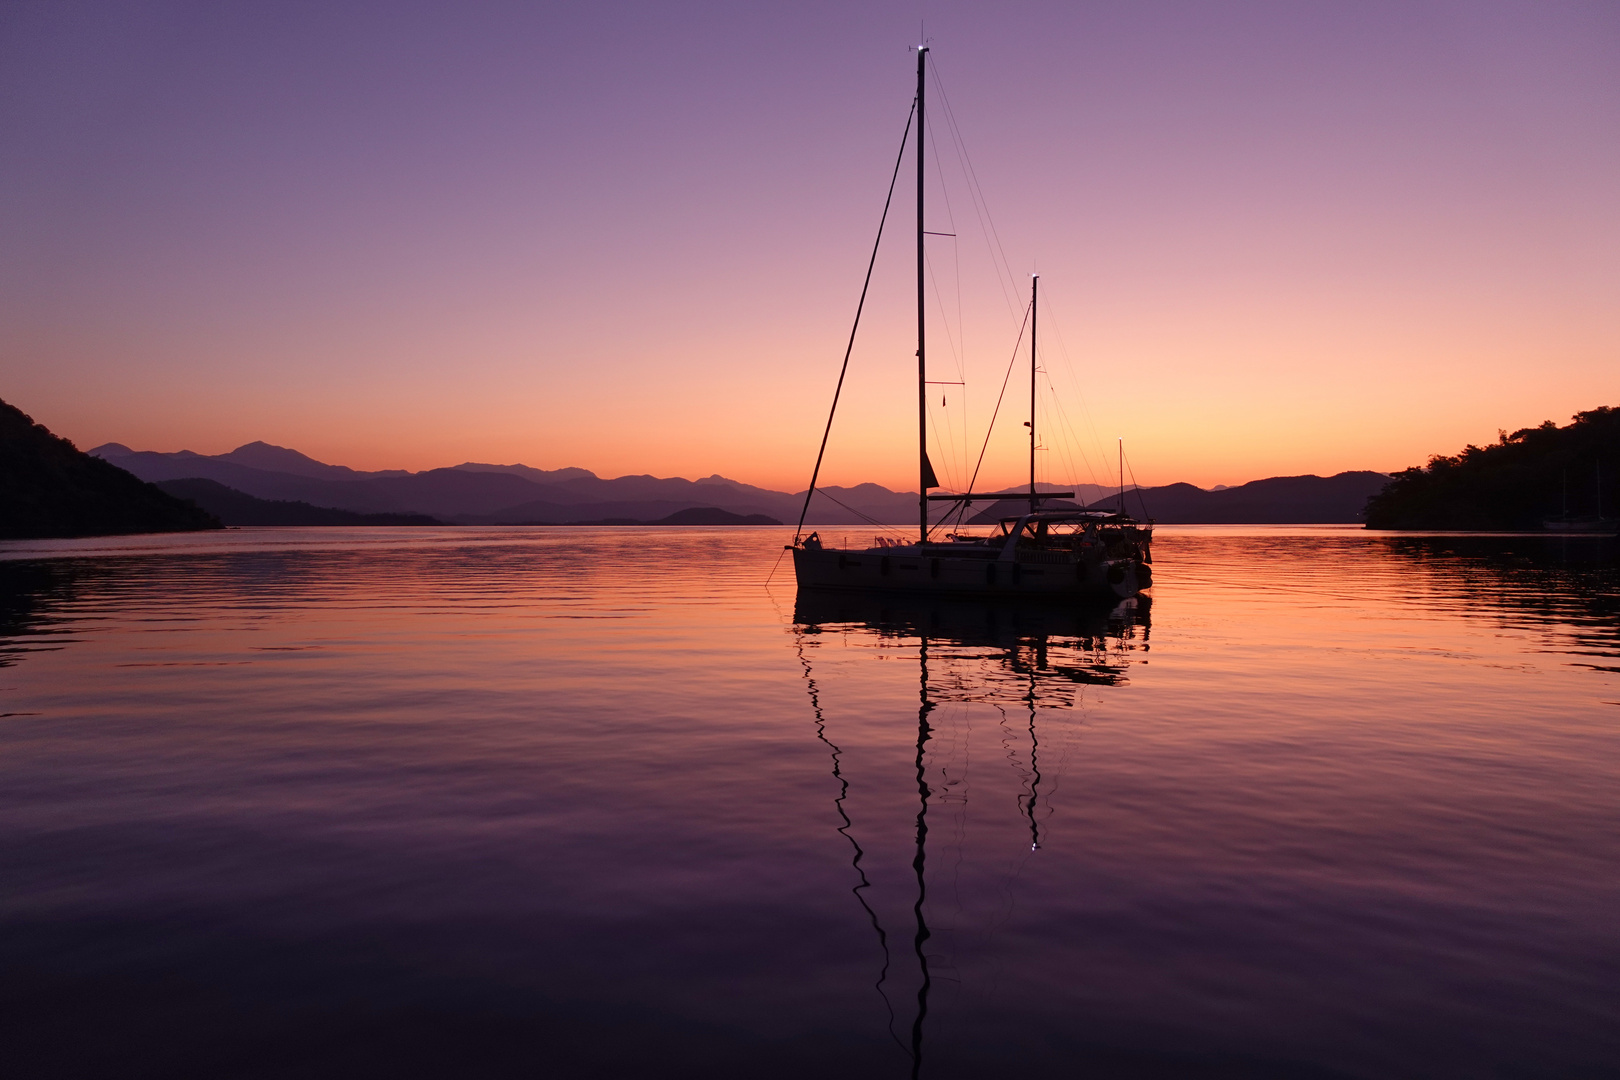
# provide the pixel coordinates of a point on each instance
(923, 470)
(1034, 290)
(1122, 475)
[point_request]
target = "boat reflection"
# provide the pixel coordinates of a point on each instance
(1003, 655)
(992, 648)
(857, 852)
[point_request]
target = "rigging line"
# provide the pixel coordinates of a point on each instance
(839, 389)
(950, 215)
(774, 565)
(1134, 484)
(1066, 429)
(944, 190)
(977, 196)
(956, 278)
(1085, 410)
(944, 315)
(1058, 461)
(1005, 379)
(1073, 439)
(956, 352)
(1057, 452)
(958, 451)
(985, 229)
(1080, 445)
(1068, 364)
(961, 326)
(868, 518)
(976, 187)
(950, 446)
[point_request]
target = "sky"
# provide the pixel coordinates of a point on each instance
(1272, 238)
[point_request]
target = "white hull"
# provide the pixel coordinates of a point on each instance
(935, 569)
(1586, 526)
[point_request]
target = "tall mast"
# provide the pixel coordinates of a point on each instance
(923, 470)
(1034, 290)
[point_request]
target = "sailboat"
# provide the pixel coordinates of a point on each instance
(1057, 553)
(1593, 524)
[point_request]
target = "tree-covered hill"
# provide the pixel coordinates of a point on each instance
(49, 488)
(1515, 483)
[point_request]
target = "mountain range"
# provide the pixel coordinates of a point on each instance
(476, 493)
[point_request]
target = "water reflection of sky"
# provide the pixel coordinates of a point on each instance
(1332, 804)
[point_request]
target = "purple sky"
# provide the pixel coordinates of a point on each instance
(1273, 238)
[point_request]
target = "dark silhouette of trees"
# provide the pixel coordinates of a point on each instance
(1515, 483)
(49, 488)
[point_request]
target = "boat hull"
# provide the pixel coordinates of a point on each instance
(938, 571)
(1583, 526)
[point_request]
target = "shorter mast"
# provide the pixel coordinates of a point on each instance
(1122, 476)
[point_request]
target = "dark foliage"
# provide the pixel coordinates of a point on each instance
(237, 508)
(1516, 483)
(49, 488)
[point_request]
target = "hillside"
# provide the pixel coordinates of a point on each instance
(49, 488)
(1515, 483)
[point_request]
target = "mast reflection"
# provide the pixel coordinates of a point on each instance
(858, 852)
(1039, 657)
(923, 730)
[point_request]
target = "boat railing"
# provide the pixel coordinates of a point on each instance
(1060, 556)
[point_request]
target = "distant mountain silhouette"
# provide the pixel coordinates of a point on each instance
(1515, 483)
(49, 488)
(1280, 500)
(479, 494)
(262, 455)
(236, 508)
(1277, 500)
(539, 476)
(257, 455)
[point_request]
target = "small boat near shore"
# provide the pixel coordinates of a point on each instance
(1583, 526)
(1072, 552)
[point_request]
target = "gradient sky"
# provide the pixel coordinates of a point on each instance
(1273, 238)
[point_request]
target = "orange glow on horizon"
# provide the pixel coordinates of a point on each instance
(1298, 243)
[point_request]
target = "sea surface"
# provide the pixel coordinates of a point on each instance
(561, 802)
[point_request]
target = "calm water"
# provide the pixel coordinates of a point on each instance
(577, 802)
